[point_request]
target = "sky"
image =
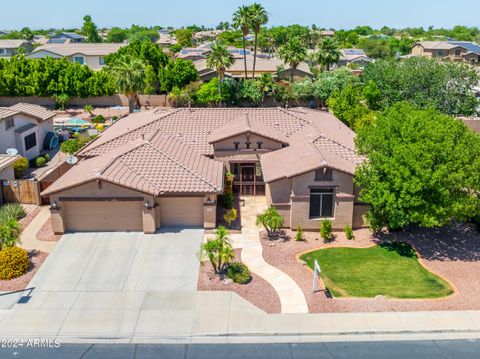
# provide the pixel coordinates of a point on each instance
(36, 14)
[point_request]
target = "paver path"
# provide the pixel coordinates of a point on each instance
(28, 238)
(291, 296)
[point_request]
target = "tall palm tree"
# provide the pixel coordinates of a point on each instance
(242, 20)
(328, 53)
(128, 74)
(219, 59)
(293, 53)
(258, 17)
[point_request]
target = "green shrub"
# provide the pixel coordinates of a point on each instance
(47, 157)
(20, 166)
(326, 230)
(40, 161)
(11, 211)
(114, 118)
(9, 233)
(14, 262)
(239, 273)
(228, 200)
(271, 220)
(98, 119)
(230, 216)
(349, 232)
(299, 234)
(71, 146)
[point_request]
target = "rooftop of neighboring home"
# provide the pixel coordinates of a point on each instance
(70, 49)
(448, 45)
(352, 54)
(38, 112)
(7, 160)
(12, 44)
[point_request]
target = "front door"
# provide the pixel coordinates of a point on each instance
(248, 173)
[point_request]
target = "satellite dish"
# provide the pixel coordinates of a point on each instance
(71, 160)
(12, 151)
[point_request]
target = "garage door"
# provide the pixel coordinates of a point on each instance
(181, 211)
(89, 216)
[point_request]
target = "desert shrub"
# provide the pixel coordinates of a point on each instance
(349, 232)
(299, 234)
(228, 200)
(239, 273)
(326, 230)
(11, 211)
(20, 166)
(98, 119)
(230, 216)
(14, 262)
(271, 220)
(9, 233)
(40, 161)
(71, 146)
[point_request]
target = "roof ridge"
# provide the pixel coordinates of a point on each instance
(293, 115)
(335, 141)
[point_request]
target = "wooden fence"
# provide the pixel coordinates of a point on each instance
(21, 191)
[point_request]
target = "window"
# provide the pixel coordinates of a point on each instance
(247, 145)
(3, 51)
(236, 145)
(101, 60)
(30, 141)
(458, 52)
(79, 59)
(259, 145)
(324, 174)
(9, 123)
(321, 203)
(440, 53)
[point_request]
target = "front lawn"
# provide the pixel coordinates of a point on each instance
(391, 270)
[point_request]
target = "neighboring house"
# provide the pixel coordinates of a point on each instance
(24, 127)
(274, 66)
(327, 33)
(207, 35)
(165, 168)
(92, 55)
(454, 51)
(165, 38)
(9, 48)
(66, 38)
(7, 171)
(354, 56)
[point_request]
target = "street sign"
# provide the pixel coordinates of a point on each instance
(316, 275)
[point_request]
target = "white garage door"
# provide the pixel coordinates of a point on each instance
(102, 216)
(181, 211)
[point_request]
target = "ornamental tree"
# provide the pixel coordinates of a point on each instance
(271, 220)
(421, 169)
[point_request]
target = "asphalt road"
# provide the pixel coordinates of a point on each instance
(457, 349)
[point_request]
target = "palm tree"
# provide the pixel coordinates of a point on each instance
(328, 53)
(242, 20)
(128, 74)
(258, 17)
(219, 59)
(293, 53)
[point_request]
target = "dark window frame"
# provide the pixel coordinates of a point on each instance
(259, 145)
(247, 145)
(9, 123)
(322, 203)
(29, 143)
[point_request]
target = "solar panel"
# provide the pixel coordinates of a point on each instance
(354, 52)
(470, 46)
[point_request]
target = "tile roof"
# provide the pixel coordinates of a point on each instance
(6, 112)
(11, 44)
(69, 49)
(7, 160)
(156, 165)
(35, 111)
(244, 124)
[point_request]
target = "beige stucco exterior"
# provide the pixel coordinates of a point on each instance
(95, 62)
(291, 197)
(229, 143)
(455, 54)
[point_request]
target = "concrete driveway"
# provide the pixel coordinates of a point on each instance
(118, 262)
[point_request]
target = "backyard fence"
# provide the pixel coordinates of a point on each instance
(21, 191)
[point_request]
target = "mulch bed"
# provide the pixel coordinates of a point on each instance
(20, 283)
(451, 252)
(258, 292)
(46, 233)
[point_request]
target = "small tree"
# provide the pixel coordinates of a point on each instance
(62, 100)
(299, 234)
(349, 232)
(230, 216)
(88, 109)
(326, 230)
(71, 146)
(271, 220)
(219, 250)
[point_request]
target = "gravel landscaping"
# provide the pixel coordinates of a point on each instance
(258, 292)
(20, 283)
(46, 232)
(452, 252)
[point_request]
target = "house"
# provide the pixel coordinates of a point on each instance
(454, 51)
(327, 33)
(165, 168)
(166, 38)
(357, 57)
(24, 127)
(274, 66)
(7, 171)
(92, 55)
(9, 48)
(66, 38)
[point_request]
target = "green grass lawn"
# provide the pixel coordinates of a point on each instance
(390, 270)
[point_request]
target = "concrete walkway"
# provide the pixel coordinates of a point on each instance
(291, 296)
(28, 238)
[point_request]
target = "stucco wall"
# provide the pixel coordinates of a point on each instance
(229, 143)
(7, 173)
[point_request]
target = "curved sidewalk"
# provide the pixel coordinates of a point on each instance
(291, 296)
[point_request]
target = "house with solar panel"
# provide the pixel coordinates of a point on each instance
(354, 56)
(454, 51)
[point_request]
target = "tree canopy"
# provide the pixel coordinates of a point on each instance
(421, 168)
